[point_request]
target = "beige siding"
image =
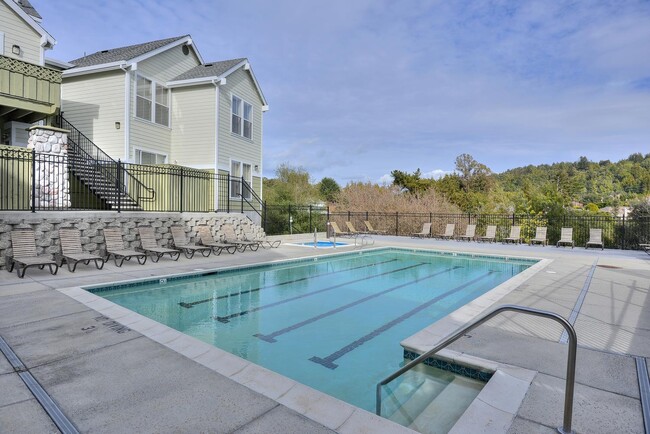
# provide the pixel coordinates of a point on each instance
(232, 146)
(147, 135)
(18, 32)
(167, 65)
(93, 103)
(193, 118)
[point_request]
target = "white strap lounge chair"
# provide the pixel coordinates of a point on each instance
(150, 246)
(230, 237)
(595, 239)
(424, 233)
(23, 245)
(470, 233)
(262, 240)
(352, 229)
(206, 238)
(566, 238)
(372, 230)
(338, 232)
(490, 234)
(188, 249)
(540, 236)
(515, 235)
(449, 232)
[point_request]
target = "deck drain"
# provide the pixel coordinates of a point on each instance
(611, 267)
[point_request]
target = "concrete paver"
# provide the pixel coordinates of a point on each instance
(282, 420)
(26, 417)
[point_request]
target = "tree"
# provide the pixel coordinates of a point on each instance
(290, 186)
(329, 189)
(411, 182)
(474, 175)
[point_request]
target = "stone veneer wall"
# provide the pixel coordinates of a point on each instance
(52, 186)
(47, 224)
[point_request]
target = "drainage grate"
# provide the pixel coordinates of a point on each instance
(644, 390)
(50, 407)
(611, 267)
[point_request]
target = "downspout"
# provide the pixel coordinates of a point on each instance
(127, 112)
(216, 82)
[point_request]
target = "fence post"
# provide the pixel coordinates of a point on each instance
(349, 216)
(33, 205)
(265, 212)
(623, 234)
(181, 195)
(228, 193)
(367, 216)
(117, 185)
(241, 194)
(327, 225)
(310, 219)
(396, 223)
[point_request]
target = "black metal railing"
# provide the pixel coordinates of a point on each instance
(35, 181)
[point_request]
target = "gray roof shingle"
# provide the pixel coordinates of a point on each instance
(122, 53)
(209, 69)
(29, 9)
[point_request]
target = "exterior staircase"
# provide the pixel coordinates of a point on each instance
(106, 178)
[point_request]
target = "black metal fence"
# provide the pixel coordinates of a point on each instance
(618, 232)
(31, 181)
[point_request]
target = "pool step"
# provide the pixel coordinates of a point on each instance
(418, 399)
(447, 407)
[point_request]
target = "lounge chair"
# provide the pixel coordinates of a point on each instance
(262, 240)
(151, 248)
(515, 235)
(540, 236)
(424, 233)
(231, 238)
(645, 248)
(470, 233)
(372, 230)
(566, 237)
(338, 232)
(595, 238)
(115, 248)
(490, 234)
(206, 238)
(181, 243)
(449, 232)
(353, 230)
(23, 244)
(72, 253)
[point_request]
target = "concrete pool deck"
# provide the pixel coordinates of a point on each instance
(106, 379)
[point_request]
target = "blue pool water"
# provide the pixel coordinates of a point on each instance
(333, 323)
(323, 244)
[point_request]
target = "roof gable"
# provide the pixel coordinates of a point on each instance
(132, 53)
(25, 11)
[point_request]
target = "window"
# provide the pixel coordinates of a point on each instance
(239, 170)
(144, 157)
(242, 118)
(151, 101)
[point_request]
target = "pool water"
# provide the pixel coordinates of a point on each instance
(322, 244)
(333, 323)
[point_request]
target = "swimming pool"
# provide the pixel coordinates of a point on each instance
(321, 244)
(333, 323)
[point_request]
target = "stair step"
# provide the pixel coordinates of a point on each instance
(448, 406)
(418, 399)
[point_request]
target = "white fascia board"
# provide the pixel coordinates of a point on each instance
(247, 67)
(192, 82)
(186, 40)
(45, 36)
(94, 68)
(58, 63)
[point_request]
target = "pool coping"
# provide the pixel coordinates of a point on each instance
(491, 405)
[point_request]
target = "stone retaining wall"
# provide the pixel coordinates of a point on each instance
(47, 224)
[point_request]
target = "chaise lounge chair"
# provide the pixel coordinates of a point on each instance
(515, 235)
(470, 233)
(151, 248)
(566, 237)
(72, 253)
(263, 241)
(115, 248)
(23, 244)
(206, 238)
(645, 248)
(353, 230)
(449, 232)
(372, 230)
(540, 236)
(424, 233)
(490, 234)
(595, 238)
(231, 238)
(338, 232)
(181, 243)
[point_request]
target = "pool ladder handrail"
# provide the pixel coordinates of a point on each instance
(571, 359)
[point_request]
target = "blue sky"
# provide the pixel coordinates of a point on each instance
(359, 88)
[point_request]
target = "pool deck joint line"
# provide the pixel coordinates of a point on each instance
(581, 298)
(53, 411)
(644, 390)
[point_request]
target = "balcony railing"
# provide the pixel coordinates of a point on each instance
(29, 87)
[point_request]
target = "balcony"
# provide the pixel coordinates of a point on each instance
(28, 92)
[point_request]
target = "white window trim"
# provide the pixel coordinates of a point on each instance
(149, 151)
(250, 181)
(243, 101)
(2, 44)
(153, 102)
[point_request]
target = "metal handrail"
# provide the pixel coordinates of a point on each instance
(571, 358)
